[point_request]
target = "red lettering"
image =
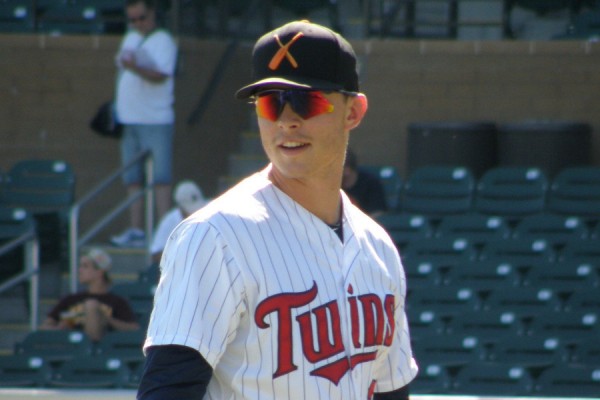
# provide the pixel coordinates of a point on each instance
(373, 319)
(325, 348)
(282, 304)
(354, 318)
(389, 306)
(321, 332)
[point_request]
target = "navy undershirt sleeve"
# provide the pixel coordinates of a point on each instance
(174, 372)
(400, 394)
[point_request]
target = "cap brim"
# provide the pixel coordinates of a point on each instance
(282, 83)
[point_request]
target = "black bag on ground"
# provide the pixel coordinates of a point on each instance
(105, 123)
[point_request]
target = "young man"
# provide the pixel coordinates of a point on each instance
(95, 310)
(144, 103)
(189, 198)
(281, 288)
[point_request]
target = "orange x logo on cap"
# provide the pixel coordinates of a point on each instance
(284, 51)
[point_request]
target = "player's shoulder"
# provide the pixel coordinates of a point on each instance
(363, 221)
(245, 200)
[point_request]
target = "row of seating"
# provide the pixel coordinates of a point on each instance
(62, 16)
(506, 379)
(37, 193)
(555, 230)
(70, 359)
(510, 191)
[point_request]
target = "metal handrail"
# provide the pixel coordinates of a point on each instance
(76, 241)
(31, 270)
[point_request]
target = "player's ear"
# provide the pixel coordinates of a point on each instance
(358, 109)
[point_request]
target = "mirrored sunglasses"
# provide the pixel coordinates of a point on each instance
(305, 103)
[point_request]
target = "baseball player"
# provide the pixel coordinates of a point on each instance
(281, 288)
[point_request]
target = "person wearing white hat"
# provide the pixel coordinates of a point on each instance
(188, 198)
(95, 310)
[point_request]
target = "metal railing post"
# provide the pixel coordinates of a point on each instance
(75, 241)
(149, 189)
(73, 247)
(32, 268)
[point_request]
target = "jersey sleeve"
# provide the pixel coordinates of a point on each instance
(199, 300)
(398, 368)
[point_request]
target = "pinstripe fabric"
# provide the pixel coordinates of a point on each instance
(280, 308)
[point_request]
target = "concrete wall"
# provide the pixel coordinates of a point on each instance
(50, 86)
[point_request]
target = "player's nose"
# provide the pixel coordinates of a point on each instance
(288, 119)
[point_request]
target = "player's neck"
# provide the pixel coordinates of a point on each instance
(321, 198)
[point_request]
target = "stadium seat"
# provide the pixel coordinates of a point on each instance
(40, 185)
(390, 180)
(571, 327)
(405, 228)
(445, 301)
(55, 346)
(583, 300)
(585, 251)
(135, 375)
(524, 302)
(511, 192)
(151, 274)
(139, 294)
(15, 222)
(477, 228)
(492, 378)
(16, 16)
(433, 378)
(484, 276)
(424, 274)
(555, 229)
(586, 352)
(23, 371)
(90, 372)
(70, 17)
(569, 380)
(124, 345)
(523, 254)
(595, 232)
(453, 350)
(489, 326)
(432, 258)
(45, 188)
(565, 278)
(424, 321)
(441, 249)
(576, 191)
(438, 190)
(532, 352)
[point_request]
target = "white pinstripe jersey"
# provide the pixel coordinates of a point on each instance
(278, 306)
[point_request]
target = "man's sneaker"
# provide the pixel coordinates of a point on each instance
(132, 237)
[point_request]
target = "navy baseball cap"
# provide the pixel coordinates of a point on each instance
(302, 55)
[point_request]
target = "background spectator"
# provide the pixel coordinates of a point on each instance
(144, 102)
(364, 189)
(95, 310)
(188, 197)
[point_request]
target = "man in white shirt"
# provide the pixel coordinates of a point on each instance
(144, 104)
